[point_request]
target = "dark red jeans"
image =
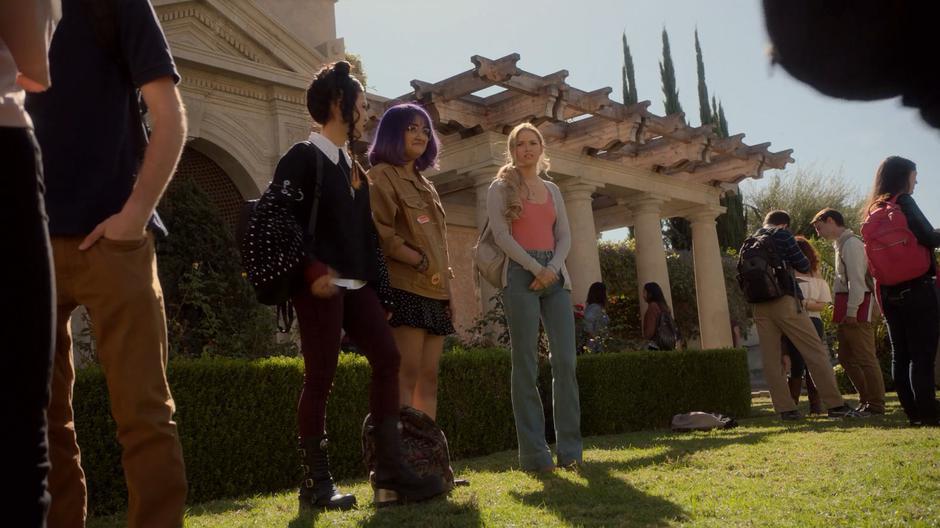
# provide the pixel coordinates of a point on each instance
(360, 313)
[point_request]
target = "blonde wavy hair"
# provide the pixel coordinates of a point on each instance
(510, 175)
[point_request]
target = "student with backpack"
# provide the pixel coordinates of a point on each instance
(853, 310)
(659, 326)
(340, 290)
(899, 242)
(765, 273)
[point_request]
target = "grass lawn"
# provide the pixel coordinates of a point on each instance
(816, 472)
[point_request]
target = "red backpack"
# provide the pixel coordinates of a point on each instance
(894, 255)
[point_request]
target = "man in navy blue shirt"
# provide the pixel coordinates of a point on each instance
(785, 316)
(103, 181)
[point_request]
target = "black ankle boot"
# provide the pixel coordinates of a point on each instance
(394, 481)
(317, 489)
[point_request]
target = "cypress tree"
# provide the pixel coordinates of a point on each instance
(667, 72)
(627, 73)
(732, 224)
(705, 112)
(678, 230)
(722, 122)
(714, 114)
(679, 233)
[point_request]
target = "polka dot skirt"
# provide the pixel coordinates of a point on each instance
(421, 312)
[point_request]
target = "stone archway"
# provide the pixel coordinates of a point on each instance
(213, 180)
(218, 183)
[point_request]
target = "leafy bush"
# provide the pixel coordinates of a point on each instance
(618, 268)
(639, 390)
(624, 331)
(802, 192)
(237, 417)
(490, 328)
(210, 306)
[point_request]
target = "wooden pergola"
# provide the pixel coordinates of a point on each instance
(617, 165)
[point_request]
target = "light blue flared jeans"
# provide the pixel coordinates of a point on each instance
(524, 308)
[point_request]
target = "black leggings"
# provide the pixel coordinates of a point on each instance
(913, 317)
(29, 321)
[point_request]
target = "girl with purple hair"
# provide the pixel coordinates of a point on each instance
(409, 218)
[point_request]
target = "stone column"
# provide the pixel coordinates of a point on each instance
(711, 297)
(650, 253)
(584, 263)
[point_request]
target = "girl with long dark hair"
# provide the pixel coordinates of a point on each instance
(659, 327)
(340, 292)
(595, 316)
(910, 308)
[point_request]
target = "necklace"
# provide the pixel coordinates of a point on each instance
(530, 194)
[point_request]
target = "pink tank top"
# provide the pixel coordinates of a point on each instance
(534, 230)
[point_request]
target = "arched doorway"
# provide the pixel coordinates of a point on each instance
(213, 180)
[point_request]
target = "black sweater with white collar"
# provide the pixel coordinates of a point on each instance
(345, 237)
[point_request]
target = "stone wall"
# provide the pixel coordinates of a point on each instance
(460, 241)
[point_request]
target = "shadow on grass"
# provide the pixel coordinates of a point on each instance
(604, 499)
(607, 496)
(436, 512)
(604, 493)
(304, 519)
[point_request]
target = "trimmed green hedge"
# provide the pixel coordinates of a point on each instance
(237, 418)
(641, 390)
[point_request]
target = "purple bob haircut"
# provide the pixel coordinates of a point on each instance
(388, 146)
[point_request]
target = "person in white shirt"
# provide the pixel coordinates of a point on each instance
(853, 310)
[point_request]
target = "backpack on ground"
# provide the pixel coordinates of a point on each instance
(272, 243)
(702, 421)
(424, 447)
(667, 332)
(894, 254)
(762, 272)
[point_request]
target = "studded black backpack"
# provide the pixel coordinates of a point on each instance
(272, 243)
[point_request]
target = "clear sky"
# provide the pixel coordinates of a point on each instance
(401, 40)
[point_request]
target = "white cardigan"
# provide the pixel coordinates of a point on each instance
(502, 234)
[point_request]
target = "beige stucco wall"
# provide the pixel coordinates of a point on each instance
(460, 241)
(311, 21)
